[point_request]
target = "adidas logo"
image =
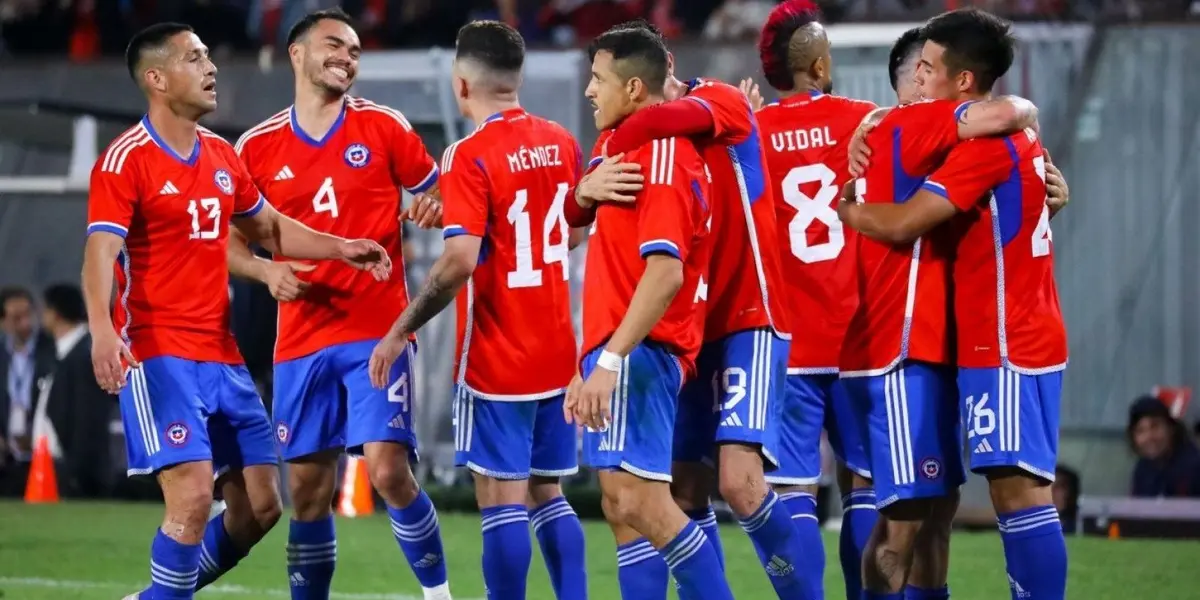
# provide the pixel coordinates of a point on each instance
(284, 173)
(428, 560)
(982, 447)
(1018, 591)
(297, 580)
(733, 420)
(778, 567)
(168, 188)
(397, 422)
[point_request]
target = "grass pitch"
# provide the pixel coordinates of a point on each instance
(92, 551)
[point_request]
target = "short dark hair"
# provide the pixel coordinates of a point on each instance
(642, 53)
(495, 45)
(66, 300)
(149, 39)
(13, 293)
(306, 24)
(909, 43)
(643, 25)
(975, 41)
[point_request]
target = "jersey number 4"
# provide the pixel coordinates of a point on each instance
(525, 276)
(207, 209)
(325, 200)
(809, 209)
(1042, 236)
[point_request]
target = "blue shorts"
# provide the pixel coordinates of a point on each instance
(643, 406)
(914, 433)
(737, 397)
(325, 400)
(1011, 419)
(813, 402)
(513, 440)
(176, 411)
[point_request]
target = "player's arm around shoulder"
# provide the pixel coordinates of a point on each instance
(996, 116)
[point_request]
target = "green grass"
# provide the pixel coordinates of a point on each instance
(79, 551)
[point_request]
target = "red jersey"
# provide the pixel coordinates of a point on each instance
(745, 281)
(346, 184)
(508, 183)
(670, 216)
(903, 310)
(807, 157)
(172, 274)
(1006, 308)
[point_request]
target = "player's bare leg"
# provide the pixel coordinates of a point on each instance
(175, 554)
(560, 536)
(858, 521)
(889, 556)
(692, 484)
(1034, 547)
(413, 517)
(639, 508)
(743, 484)
(928, 577)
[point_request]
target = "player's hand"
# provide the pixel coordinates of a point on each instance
(750, 89)
(425, 211)
(1057, 192)
(384, 356)
(366, 255)
(573, 390)
(612, 181)
(282, 281)
(110, 356)
(592, 408)
(860, 153)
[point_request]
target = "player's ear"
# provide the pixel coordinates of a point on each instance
(461, 89)
(964, 81)
(670, 65)
(154, 79)
(295, 54)
(635, 89)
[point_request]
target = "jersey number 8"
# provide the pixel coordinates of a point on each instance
(809, 209)
(525, 276)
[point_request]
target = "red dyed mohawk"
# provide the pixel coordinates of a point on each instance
(785, 19)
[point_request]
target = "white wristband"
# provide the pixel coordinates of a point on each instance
(610, 361)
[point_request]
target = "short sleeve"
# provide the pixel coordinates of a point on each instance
(112, 196)
(971, 169)
(664, 205)
(731, 112)
(464, 186)
(412, 166)
(247, 200)
(930, 128)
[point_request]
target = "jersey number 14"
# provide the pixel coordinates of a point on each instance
(525, 276)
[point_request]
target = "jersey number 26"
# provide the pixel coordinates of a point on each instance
(525, 275)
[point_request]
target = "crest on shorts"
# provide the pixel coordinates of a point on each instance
(357, 155)
(282, 432)
(931, 468)
(223, 181)
(177, 434)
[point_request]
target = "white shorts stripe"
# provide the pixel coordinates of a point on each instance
(140, 391)
(899, 436)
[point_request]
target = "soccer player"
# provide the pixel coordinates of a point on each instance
(896, 359)
(162, 198)
(736, 397)
(807, 133)
(1011, 342)
(642, 283)
(507, 201)
(337, 163)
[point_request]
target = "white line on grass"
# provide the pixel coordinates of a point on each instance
(212, 590)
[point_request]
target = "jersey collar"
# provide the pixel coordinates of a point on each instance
(189, 160)
(504, 114)
(802, 98)
(307, 139)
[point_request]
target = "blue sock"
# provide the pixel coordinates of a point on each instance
(417, 532)
(507, 550)
(803, 508)
(560, 536)
(174, 568)
(695, 567)
(882, 595)
(780, 548)
(707, 520)
(311, 556)
(916, 593)
(1036, 553)
(858, 519)
(641, 571)
(218, 552)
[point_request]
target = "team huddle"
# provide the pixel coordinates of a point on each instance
(755, 275)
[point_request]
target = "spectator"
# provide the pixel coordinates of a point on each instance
(1168, 462)
(78, 411)
(26, 358)
(1066, 491)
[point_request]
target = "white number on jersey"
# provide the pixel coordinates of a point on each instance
(325, 200)
(981, 420)
(556, 222)
(211, 209)
(1042, 236)
(813, 209)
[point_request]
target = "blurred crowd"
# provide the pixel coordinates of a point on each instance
(86, 29)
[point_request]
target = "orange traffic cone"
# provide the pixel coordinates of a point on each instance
(43, 484)
(1114, 531)
(356, 497)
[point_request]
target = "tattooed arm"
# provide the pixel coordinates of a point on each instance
(446, 277)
